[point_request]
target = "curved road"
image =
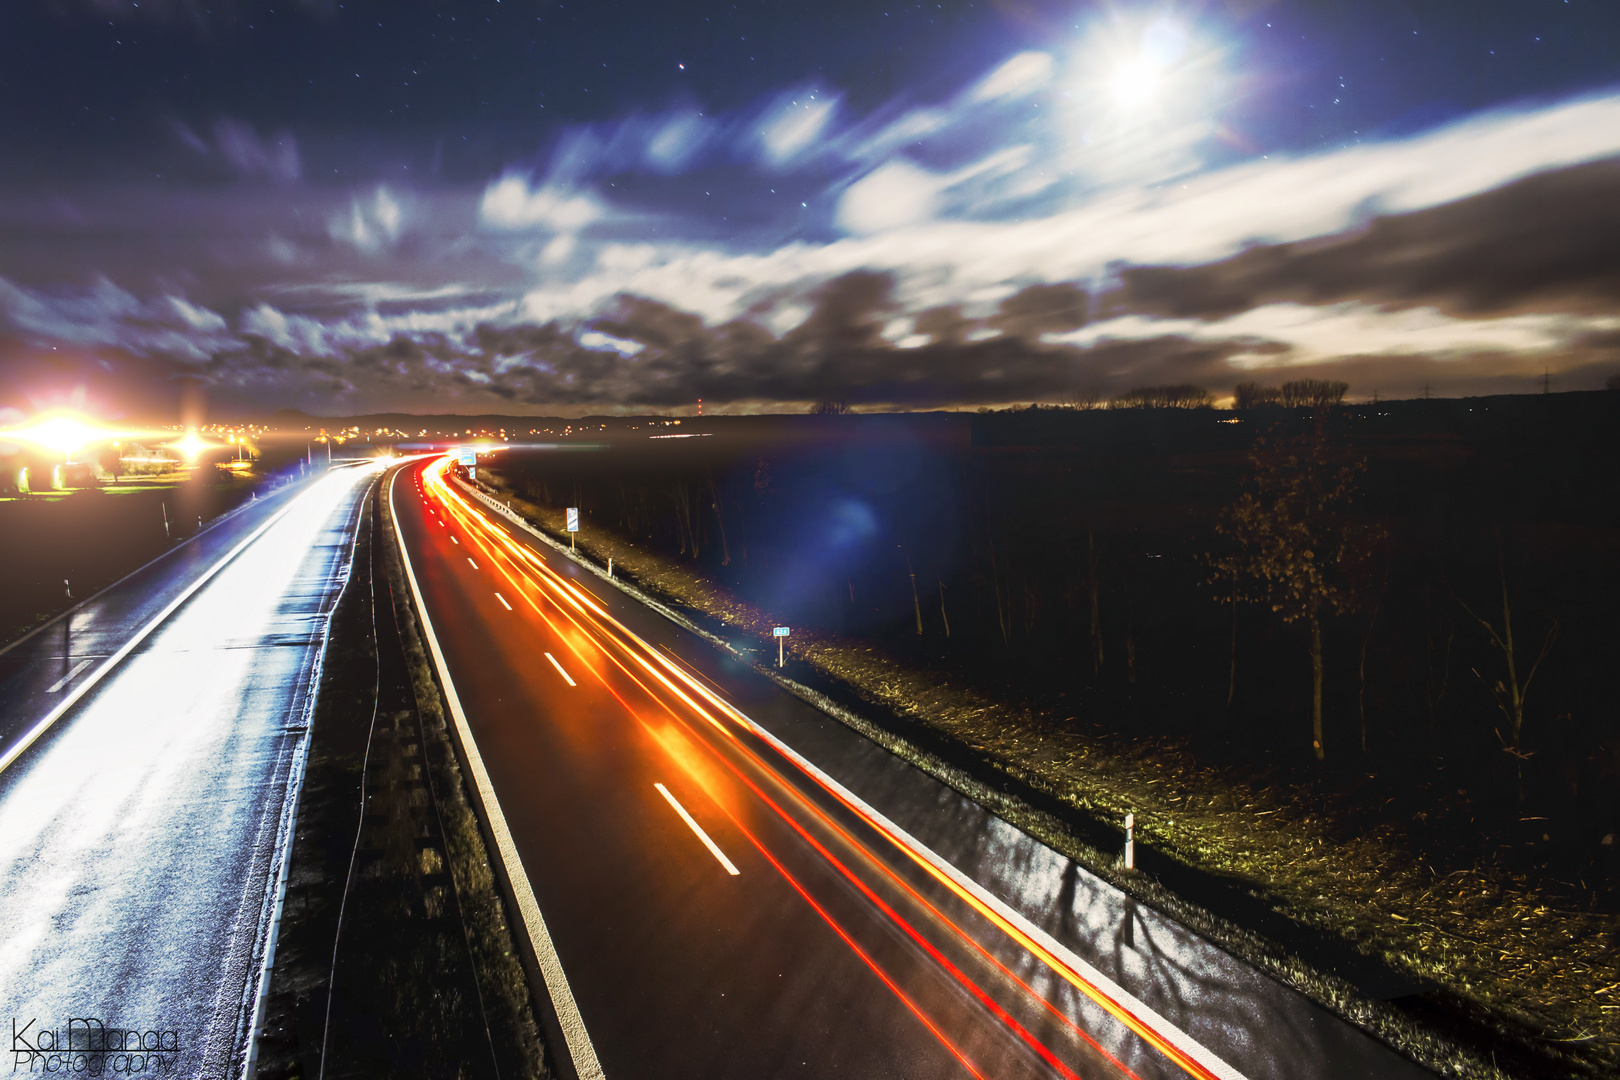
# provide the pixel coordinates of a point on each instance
(727, 883)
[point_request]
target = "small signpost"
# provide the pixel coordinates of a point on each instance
(468, 456)
(573, 525)
(780, 633)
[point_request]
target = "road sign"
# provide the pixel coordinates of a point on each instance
(780, 631)
(466, 455)
(573, 519)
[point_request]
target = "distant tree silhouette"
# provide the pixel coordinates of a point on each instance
(1613, 382)
(829, 408)
(1302, 393)
(1292, 548)
(1248, 395)
(1181, 396)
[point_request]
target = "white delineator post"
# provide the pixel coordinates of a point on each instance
(1130, 841)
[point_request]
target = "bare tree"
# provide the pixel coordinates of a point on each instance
(1510, 693)
(1293, 549)
(1301, 393)
(829, 408)
(1182, 396)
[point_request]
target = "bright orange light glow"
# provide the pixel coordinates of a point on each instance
(190, 446)
(64, 433)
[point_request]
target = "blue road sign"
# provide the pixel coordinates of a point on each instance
(573, 519)
(780, 631)
(466, 455)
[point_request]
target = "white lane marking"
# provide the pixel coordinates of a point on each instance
(471, 563)
(64, 680)
(453, 540)
(560, 670)
(714, 849)
(141, 635)
(576, 1038)
(504, 604)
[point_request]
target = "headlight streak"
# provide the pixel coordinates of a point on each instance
(565, 596)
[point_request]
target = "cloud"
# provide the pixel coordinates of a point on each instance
(891, 196)
(511, 203)
(274, 157)
(1545, 243)
(793, 124)
(1021, 75)
(105, 315)
(370, 225)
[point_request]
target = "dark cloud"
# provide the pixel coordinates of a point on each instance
(1547, 243)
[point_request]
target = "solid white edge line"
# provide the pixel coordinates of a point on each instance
(504, 604)
(560, 670)
(714, 849)
(64, 680)
(1173, 1034)
(578, 1039)
(139, 636)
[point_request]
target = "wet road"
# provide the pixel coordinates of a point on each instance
(140, 831)
(722, 881)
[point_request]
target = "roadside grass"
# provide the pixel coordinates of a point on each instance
(1496, 975)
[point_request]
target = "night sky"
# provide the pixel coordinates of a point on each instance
(541, 207)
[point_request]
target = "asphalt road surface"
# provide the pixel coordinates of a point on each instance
(146, 741)
(722, 881)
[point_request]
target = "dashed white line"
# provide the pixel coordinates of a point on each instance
(453, 540)
(64, 680)
(504, 604)
(471, 563)
(560, 670)
(714, 849)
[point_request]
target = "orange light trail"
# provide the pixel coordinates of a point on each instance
(575, 597)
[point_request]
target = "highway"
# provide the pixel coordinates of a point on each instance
(150, 744)
(721, 881)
